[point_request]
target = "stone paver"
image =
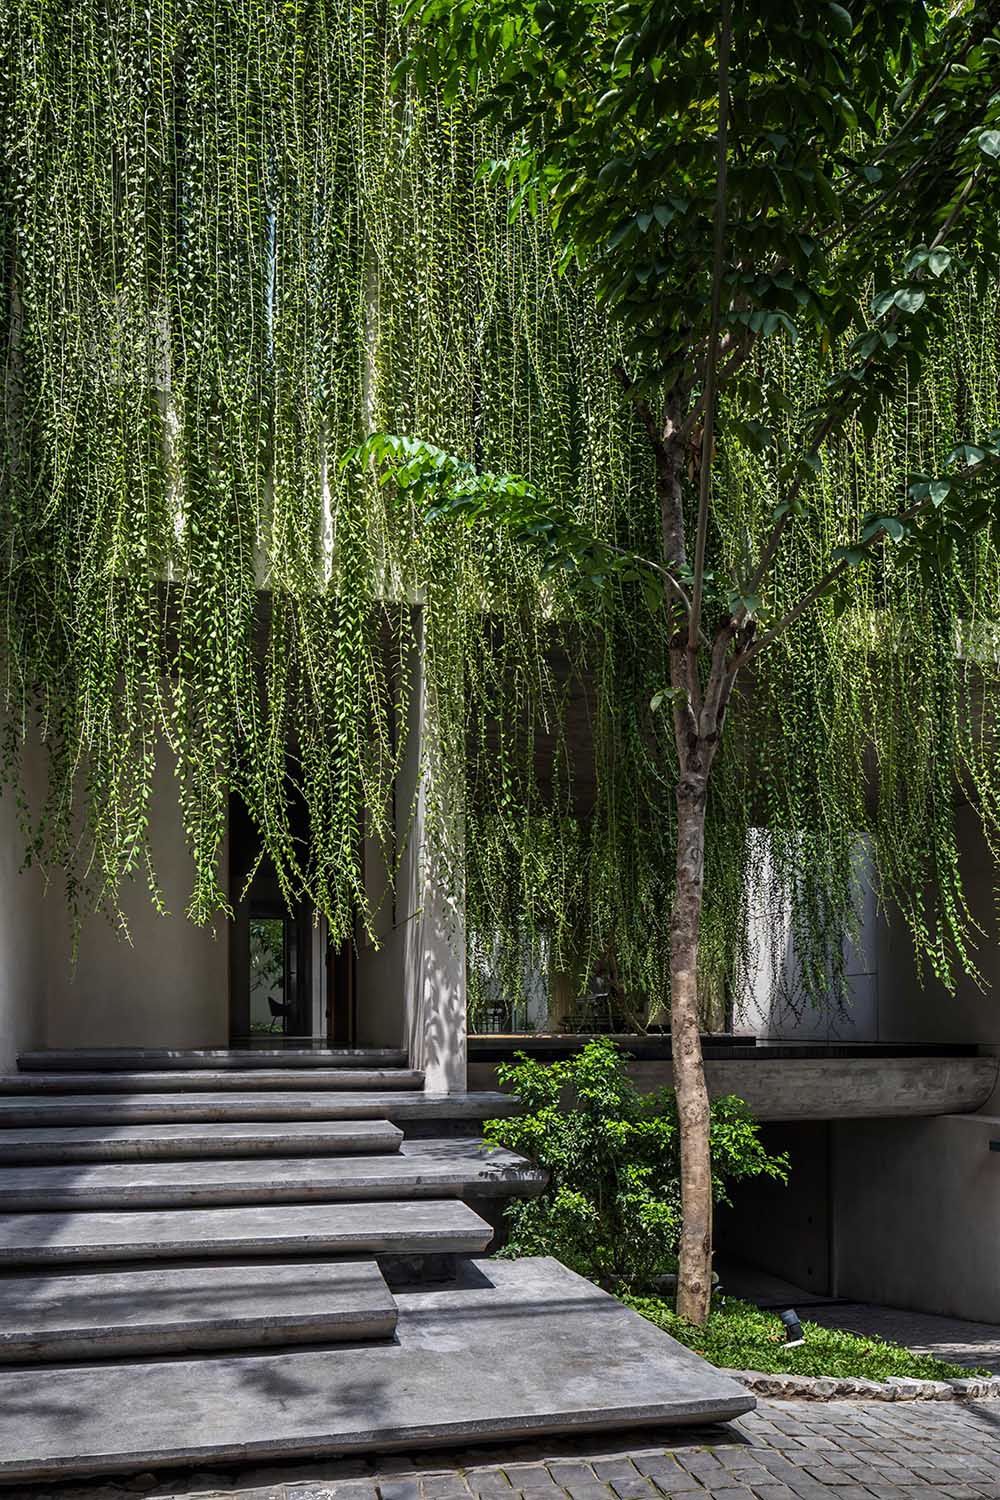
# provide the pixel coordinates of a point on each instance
(844, 1450)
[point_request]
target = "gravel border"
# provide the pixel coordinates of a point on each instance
(895, 1388)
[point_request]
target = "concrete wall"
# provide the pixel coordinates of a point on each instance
(905, 1213)
(785, 1230)
(411, 971)
(770, 1004)
(915, 1012)
(916, 1207)
(825, 1088)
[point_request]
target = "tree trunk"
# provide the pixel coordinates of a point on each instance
(694, 1279)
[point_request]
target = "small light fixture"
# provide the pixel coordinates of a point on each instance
(793, 1328)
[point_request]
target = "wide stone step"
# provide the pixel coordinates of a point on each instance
(176, 1309)
(152, 1059)
(182, 1080)
(425, 1227)
(219, 1138)
(127, 1108)
(421, 1169)
(530, 1348)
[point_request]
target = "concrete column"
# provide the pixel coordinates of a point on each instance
(434, 975)
(411, 968)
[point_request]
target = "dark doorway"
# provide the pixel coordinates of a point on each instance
(286, 982)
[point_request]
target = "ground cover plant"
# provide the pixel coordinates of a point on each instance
(611, 1210)
(739, 1336)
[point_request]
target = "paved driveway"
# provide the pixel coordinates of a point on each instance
(846, 1450)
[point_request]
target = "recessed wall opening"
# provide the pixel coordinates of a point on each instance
(288, 983)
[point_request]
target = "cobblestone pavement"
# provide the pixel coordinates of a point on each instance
(784, 1450)
(954, 1339)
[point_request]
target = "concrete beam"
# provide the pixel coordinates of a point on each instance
(834, 1088)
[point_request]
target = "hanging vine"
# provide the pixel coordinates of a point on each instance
(230, 251)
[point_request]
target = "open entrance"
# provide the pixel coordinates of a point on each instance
(288, 983)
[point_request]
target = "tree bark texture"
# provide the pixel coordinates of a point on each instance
(695, 1260)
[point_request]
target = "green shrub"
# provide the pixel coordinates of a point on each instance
(612, 1207)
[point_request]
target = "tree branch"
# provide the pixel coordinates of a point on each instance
(711, 372)
(737, 359)
(641, 407)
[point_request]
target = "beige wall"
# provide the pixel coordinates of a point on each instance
(24, 937)
(167, 983)
(168, 986)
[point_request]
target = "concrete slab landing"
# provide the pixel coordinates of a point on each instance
(176, 1309)
(525, 1347)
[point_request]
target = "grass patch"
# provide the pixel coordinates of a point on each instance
(739, 1336)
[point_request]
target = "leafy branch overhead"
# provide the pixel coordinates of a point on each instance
(441, 486)
(832, 169)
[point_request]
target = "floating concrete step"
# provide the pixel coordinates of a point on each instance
(425, 1227)
(182, 1080)
(530, 1348)
(23, 1110)
(421, 1169)
(152, 1059)
(176, 1309)
(219, 1138)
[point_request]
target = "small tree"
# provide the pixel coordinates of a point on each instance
(728, 178)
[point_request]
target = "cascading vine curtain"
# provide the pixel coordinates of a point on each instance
(230, 250)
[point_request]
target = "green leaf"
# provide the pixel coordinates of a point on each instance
(989, 142)
(966, 453)
(909, 299)
(841, 18)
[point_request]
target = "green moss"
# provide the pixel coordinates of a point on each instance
(739, 1336)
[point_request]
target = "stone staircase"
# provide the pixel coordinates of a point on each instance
(214, 1255)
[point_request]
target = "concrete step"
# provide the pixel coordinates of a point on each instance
(23, 1109)
(425, 1227)
(219, 1138)
(184, 1080)
(153, 1059)
(527, 1348)
(421, 1169)
(177, 1309)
